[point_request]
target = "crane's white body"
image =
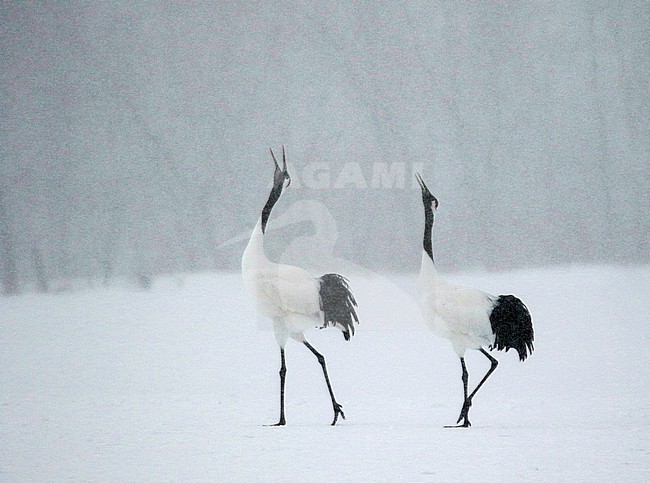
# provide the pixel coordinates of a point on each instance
(286, 294)
(459, 314)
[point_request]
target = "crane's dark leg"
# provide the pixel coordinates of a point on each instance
(338, 409)
(467, 402)
(464, 413)
(283, 373)
(493, 365)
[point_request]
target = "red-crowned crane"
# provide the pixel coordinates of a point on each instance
(291, 297)
(467, 317)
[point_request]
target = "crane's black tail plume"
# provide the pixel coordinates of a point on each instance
(338, 303)
(512, 326)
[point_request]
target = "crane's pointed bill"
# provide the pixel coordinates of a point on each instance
(277, 166)
(284, 167)
(421, 182)
(425, 191)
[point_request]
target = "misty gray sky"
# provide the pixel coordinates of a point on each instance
(135, 136)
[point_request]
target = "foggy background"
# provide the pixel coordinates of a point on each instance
(134, 138)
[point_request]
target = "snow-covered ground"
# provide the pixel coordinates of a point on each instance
(176, 383)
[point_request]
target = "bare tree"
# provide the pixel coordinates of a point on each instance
(39, 268)
(9, 272)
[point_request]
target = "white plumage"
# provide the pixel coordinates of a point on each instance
(283, 292)
(467, 317)
(456, 313)
(290, 296)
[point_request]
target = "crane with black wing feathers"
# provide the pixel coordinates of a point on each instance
(467, 317)
(291, 297)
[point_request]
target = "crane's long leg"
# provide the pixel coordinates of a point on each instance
(283, 373)
(493, 365)
(338, 409)
(464, 413)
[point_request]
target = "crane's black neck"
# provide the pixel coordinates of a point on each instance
(276, 191)
(428, 227)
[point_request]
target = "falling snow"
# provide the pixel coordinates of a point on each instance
(133, 166)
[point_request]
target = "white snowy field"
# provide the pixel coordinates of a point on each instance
(177, 383)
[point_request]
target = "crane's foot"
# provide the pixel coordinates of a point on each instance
(464, 416)
(338, 409)
(466, 424)
(282, 422)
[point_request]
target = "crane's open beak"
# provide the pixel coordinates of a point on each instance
(421, 182)
(425, 190)
(284, 165)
